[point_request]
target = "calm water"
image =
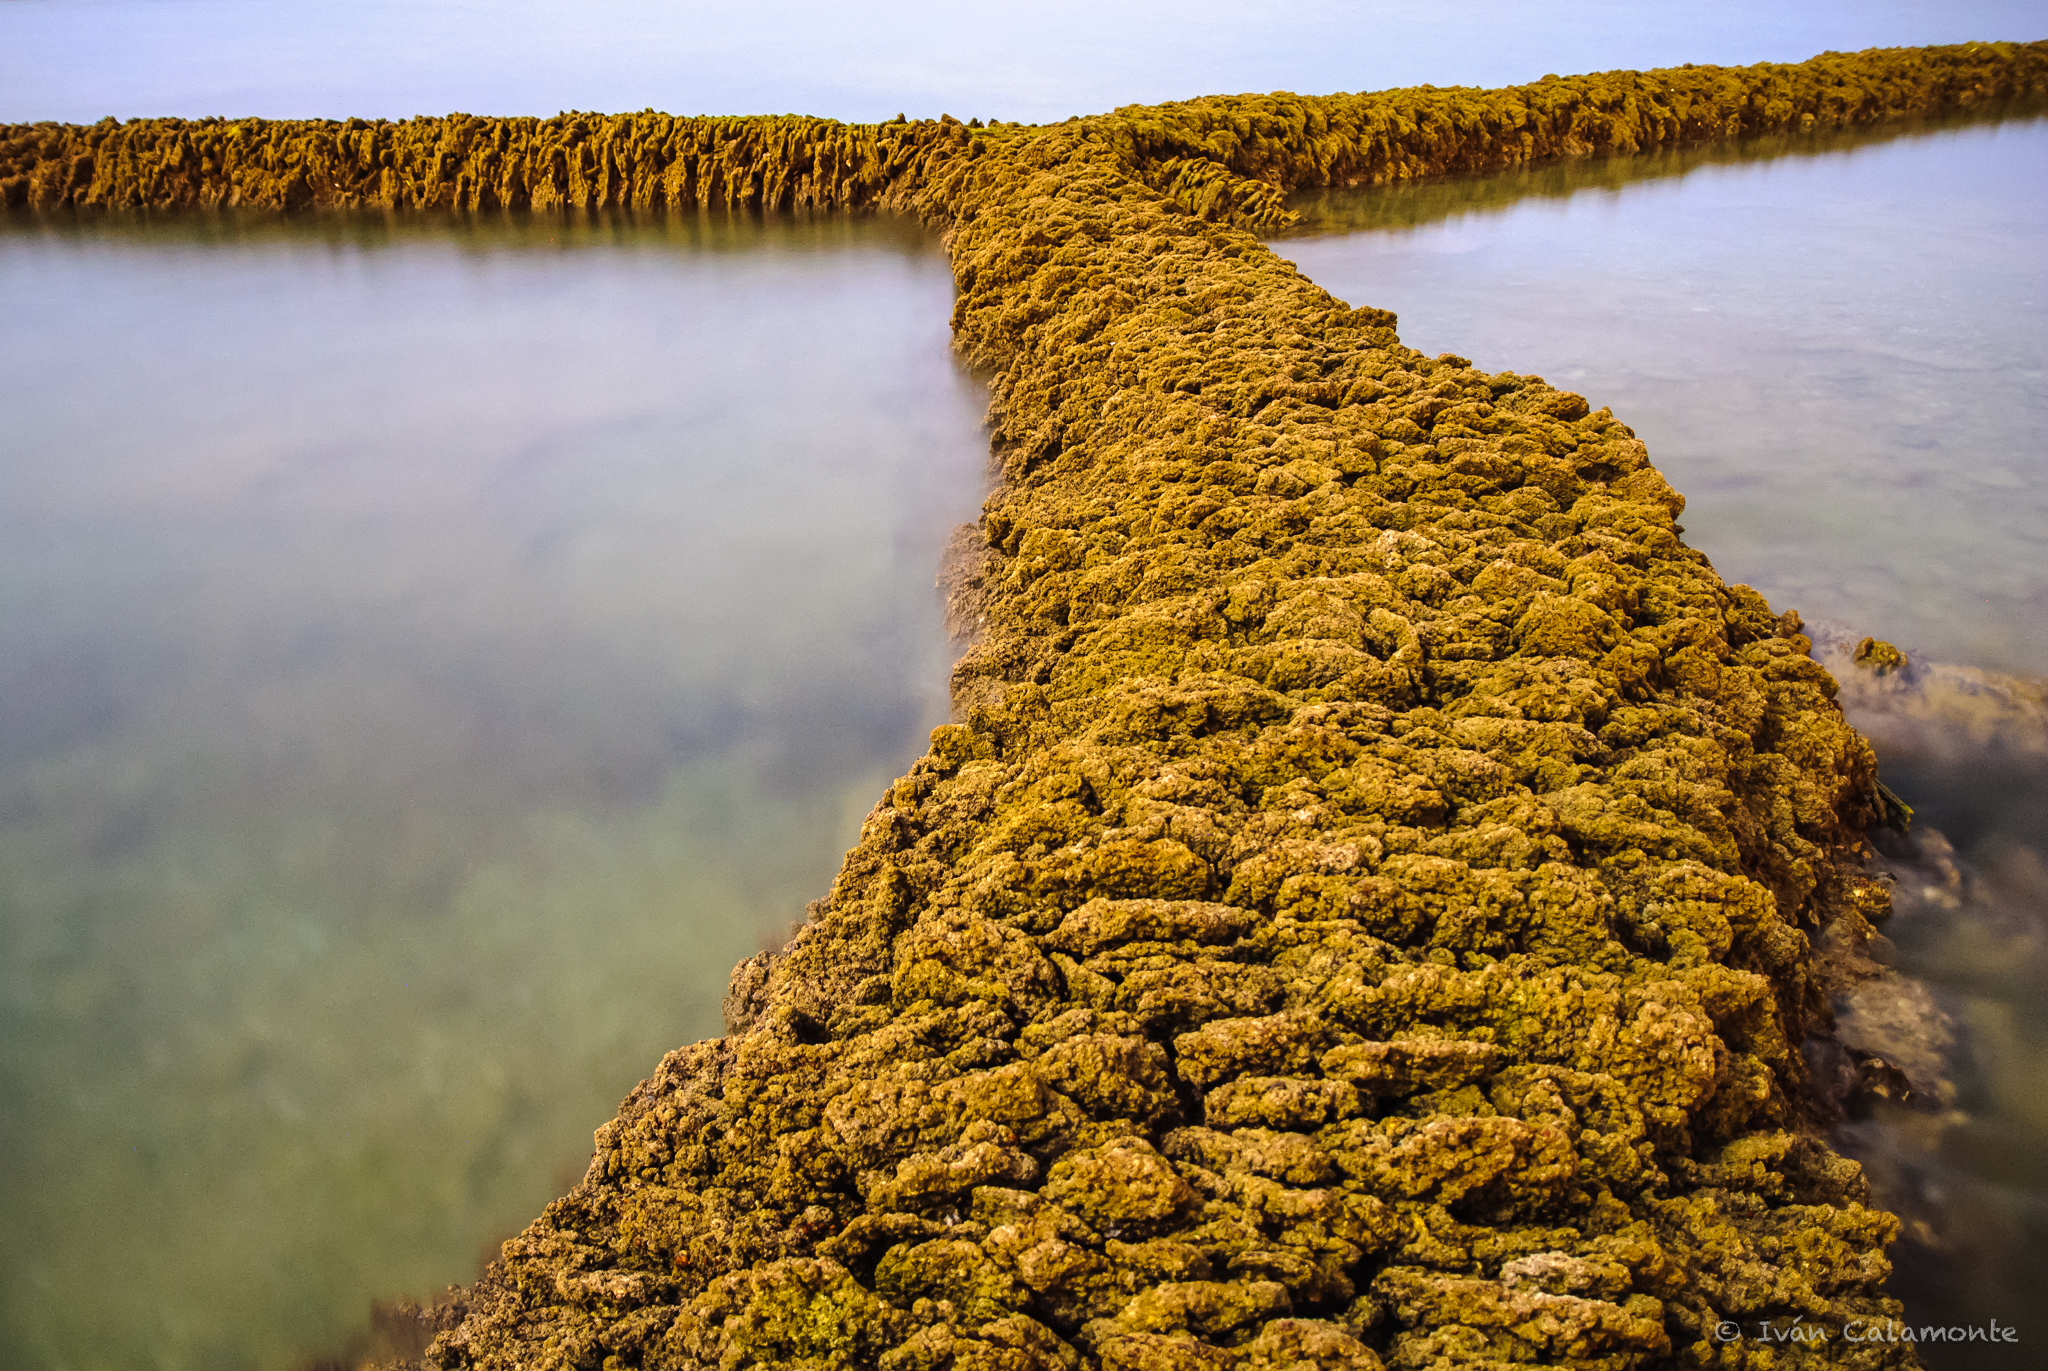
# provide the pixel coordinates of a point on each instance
(430, 656)
(1837, 347)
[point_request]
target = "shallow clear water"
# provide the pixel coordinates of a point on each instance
(1837, 348)
(431, 654)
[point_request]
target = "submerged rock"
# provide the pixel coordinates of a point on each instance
(1880, 657)
(1920, 708)
(1365, 911)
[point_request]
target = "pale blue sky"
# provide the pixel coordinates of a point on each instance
(1039, 61)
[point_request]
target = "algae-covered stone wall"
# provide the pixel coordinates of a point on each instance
(572, 161)
(1364, 914)
(1288, 141)
(1228, 158)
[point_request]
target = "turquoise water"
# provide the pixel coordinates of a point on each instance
(1837, 348)
(431, 654)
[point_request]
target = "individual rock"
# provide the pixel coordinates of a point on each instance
(1880, 657)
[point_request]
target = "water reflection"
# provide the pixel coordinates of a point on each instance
(431, 654)
(1416, 204)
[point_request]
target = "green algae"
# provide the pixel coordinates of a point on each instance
(1364, 913)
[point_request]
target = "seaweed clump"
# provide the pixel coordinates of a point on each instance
(1363, 916)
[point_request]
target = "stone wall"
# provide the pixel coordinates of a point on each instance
(1226, 158)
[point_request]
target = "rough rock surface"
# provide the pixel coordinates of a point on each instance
(1363, 916)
